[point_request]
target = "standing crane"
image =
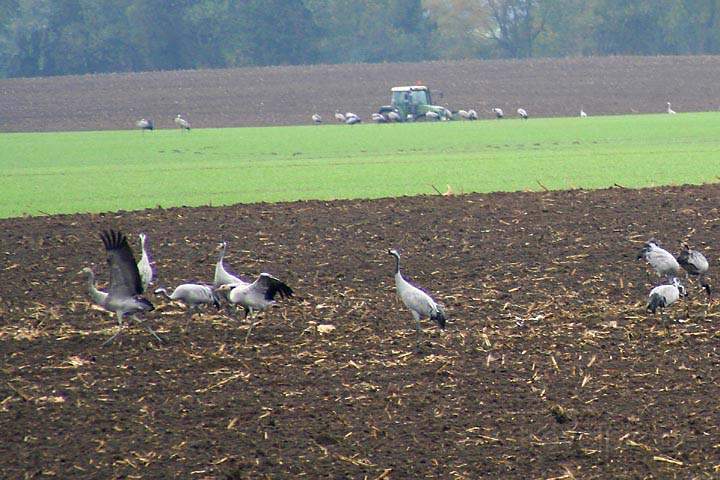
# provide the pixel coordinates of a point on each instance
(420, 304)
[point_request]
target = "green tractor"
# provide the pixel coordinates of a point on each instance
(409, 104)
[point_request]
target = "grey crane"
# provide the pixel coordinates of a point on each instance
(125, 291)
(498, 112)
(98, 297)
(463, 114)
(393, 116)
(582, 113)
(523, 114)
(662, 261)
(669, 109)
(472, 115)
(432, 116)
(144, 266)
(695, 264)
(182, 123)
(192, 295)
(256, 296)
(316, 118)
(378, 118)
(144, 124)
(352, 119)
(339, 116)
(665, 295)
(420, 304)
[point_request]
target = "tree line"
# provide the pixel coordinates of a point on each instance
(59, 37)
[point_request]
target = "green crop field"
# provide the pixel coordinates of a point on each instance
(47, 173)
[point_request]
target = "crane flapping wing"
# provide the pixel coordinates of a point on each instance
(272, 286)
(124, 276)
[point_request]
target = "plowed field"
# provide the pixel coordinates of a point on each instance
(289, 95)
(549, 366)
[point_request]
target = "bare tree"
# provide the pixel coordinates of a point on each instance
(516, 25)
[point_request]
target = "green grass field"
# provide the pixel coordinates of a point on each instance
(47, 173)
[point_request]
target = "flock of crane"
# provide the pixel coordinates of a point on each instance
(129, 280)
(350, 118)
(668, 267)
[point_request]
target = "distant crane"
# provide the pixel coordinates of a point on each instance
(317, 119)
(432, 116)
(393, 116)
(523, 114)
(339, 116)
(472, 115)
(352, 120)
(144, 124)
(379, 118)
(420, 304)
(463, 114)
(498, 112)
(582, 113)
(182, 123)
(669, 109)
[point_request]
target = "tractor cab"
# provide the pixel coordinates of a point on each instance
(412, 103)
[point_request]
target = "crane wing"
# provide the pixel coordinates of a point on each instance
(271, 286)
(124, 276)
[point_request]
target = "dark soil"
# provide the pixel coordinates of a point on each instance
(289, 95)
(549, 367)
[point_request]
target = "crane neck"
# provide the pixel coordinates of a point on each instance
(397, 264)
(95, 294)
(163, 292)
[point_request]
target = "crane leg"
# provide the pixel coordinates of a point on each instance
(120, 329)
(148, 328)
(418, 332)
(252, 325)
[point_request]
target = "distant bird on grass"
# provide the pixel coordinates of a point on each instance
(125, 291)
(339, 116)
(432, 116)
(393, 116)
(523, 114)
(695, 264)
(472, 115)
(420, 304)
(498, 112)
(463, 114)
(317, 119)
(669, 109)
(144, 124)
(662, 261)
(378, 118)
(182, 123)
(582, 113)
(352, 119)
